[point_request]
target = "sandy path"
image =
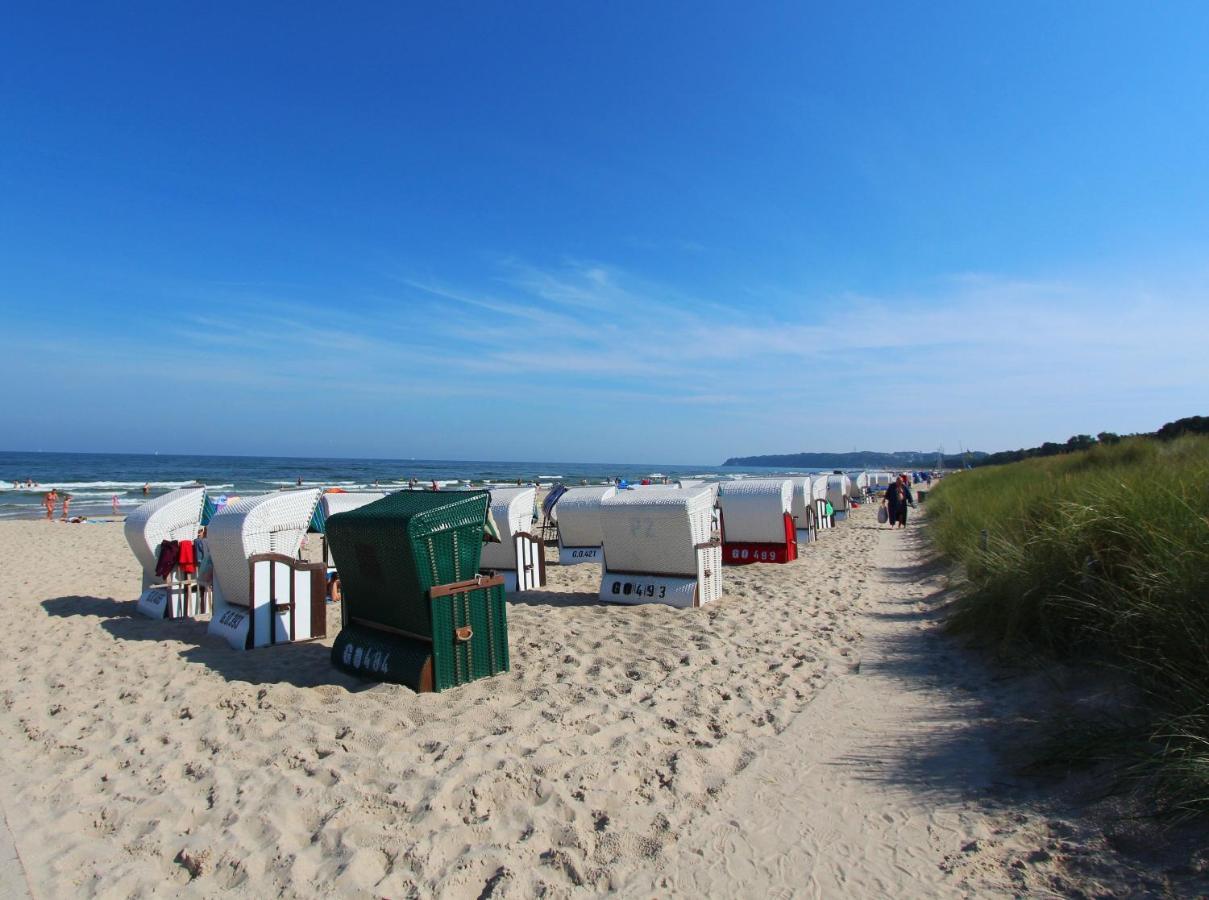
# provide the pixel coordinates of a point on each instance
(13, 883)
(872, 790)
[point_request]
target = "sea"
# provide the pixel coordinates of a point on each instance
(105, 483)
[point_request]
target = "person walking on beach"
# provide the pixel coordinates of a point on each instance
(908, 497)
(896, 504)
(898, 497)
(66, 505)
(49, 501)
(115, 504)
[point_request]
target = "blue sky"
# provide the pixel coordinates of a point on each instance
(601, 232)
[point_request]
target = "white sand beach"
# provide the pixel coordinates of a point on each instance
(743, 748)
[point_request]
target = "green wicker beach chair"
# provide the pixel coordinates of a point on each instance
(415, 609)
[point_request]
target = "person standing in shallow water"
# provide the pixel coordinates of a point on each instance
(50, 501)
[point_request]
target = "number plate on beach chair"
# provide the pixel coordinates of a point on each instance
(620, 587)
(572, 556)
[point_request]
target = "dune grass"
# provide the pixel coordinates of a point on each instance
(1098, 556)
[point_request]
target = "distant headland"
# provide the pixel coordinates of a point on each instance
(862, 459)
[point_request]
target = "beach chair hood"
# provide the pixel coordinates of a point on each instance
(175, 516)
(579, 515)
(753, 510)
(245, 527)
(656, 531)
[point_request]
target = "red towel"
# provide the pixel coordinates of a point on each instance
(187, 561)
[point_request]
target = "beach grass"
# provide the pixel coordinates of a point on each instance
(1099, 556)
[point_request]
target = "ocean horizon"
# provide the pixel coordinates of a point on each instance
(96, 479)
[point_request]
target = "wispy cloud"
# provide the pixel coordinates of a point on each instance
(990, 360)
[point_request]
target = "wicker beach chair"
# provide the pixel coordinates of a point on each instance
(839, 495)
(175, 516)
(329, 505)
(416, 610)
(802, 508)
(658, 548)
(757, 521)
(579, 534)
(520, 556)
(823, 518)
(264, 594)
(861, 486)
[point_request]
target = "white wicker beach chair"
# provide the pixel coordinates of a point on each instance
(803, 510)
(263, 594)
(839, 493)
(175, 516)
(519, 557)
(757, 521)
(579, 534)
(658, 549)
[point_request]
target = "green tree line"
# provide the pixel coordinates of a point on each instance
(1075, 443)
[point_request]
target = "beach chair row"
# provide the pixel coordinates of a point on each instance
(423, 594)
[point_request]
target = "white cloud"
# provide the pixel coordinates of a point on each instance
(990, 361)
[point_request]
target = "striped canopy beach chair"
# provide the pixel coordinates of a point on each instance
(264, 594)
(175, 516)
(416, 610)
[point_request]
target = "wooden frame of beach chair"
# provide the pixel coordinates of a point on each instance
(264, 594)
(174, 516)
(658, 549)
(757, 521)
(520, 557)
(579, 534)
(411, 616)
(818, 491)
